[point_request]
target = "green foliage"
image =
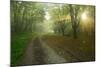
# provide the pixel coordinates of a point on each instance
(24, 15)
(18, 44)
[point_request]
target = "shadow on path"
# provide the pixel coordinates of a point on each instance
(39, 54)
(34, 54)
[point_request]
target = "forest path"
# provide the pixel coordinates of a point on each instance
(37, 52)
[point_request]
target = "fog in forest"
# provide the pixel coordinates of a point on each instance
(65, 31)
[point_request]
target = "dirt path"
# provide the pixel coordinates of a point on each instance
(51, 56)
(27, 58)
(38, 52)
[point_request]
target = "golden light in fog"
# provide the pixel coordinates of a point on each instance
(84, 16)
(47, 16)
(86, 22)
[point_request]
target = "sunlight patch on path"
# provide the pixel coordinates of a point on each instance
(52, 56)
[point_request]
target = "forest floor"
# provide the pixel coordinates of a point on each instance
(57, 49)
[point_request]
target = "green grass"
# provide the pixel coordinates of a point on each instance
(18, 44)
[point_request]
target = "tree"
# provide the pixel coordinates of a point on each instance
(75, 11)
(25, 16)
(58, 13)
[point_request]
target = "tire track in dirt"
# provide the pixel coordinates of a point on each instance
(37, 52)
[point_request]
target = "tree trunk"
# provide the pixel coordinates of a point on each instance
(74, 32)
(73, 21)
